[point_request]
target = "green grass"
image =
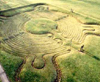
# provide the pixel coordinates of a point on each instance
(88, 10)
(93, 46)
(30, 74)
(18, 10)
(81, 17)
(79, 68)
(15, 12)
(85, 11)
(40, 26)
(85, 19)
(39, 62)
(10, 64)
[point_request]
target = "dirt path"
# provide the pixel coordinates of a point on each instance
(17, 78)
(3, 75)
(58, 71)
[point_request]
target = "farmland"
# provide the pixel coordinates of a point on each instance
(50, 41)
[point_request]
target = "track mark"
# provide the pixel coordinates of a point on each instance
(17, 78)
(58, 71)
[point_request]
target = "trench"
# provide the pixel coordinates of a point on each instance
(58, 71)
(17, 78)
(19, 10)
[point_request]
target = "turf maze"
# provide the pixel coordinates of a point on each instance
(40, 48)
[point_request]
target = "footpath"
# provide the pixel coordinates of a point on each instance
(3, 75)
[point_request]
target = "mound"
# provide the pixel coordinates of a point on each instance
(40, 26)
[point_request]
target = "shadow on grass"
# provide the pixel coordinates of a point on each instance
(96, 58)
(19, 10)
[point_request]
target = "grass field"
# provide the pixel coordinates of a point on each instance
(91, 48)
(86, 11)
(10, 64)
(40, 26)
(79, 67)
(50, 40)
